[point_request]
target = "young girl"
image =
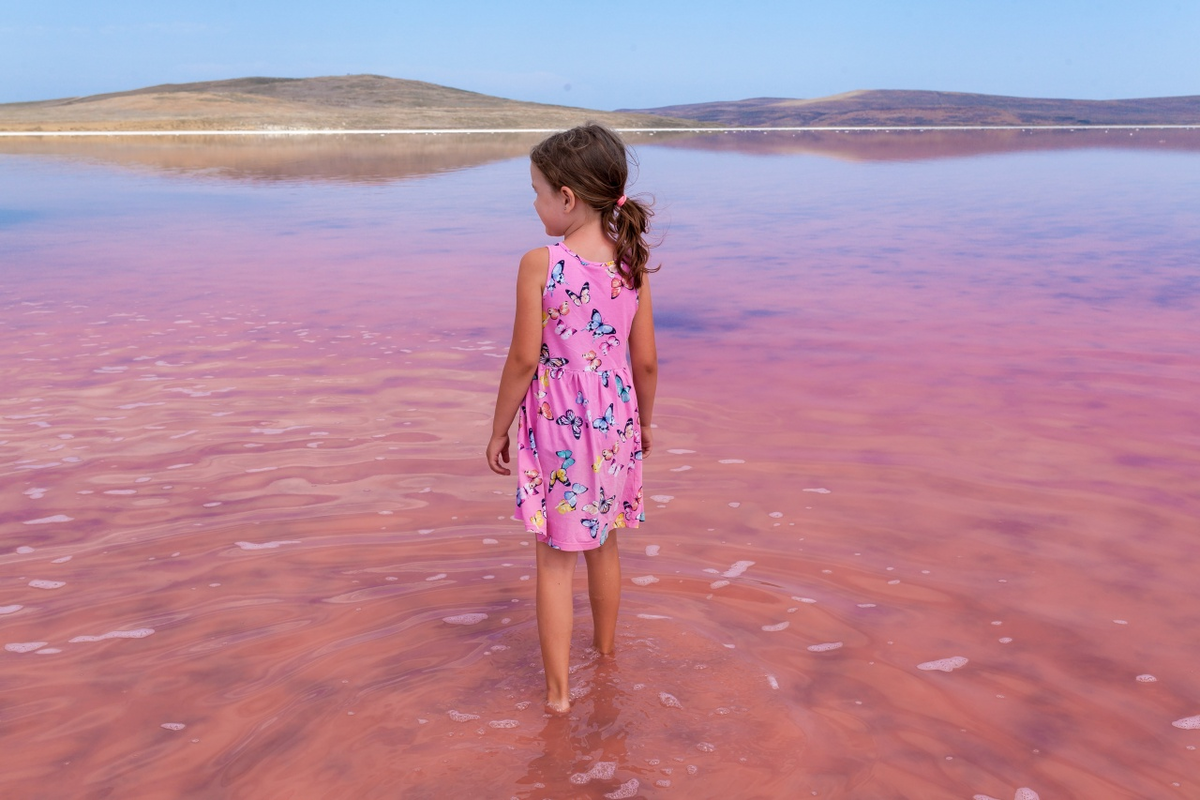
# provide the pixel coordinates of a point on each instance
(580, 378)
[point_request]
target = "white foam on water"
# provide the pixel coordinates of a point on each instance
(944, 664)
(465, 619)
(627, 789)
(24, 549)
(48, 651)
(36, 493)
(601, 770)
(491, 541)
(718, 584)
(680, 452)
(128, 406)
(669, 700)
(9, 609)
(662, 498)
(181, 466)
(173, 726)
(737, 569)
(121, 491)
(1146, 679)
(41, 584)
(437, 577)
(818, 491)
(62, 560)
(48, 520)
(866, 605)
(1120, 622)
(213, 504)
(644, 580)
(1005, 640)
(1025, 793)
(262, 469)
(653, 616)
(731, 461)
(684, 468)
(137, 633)
(503, 723)
(824, 647)
(24, 647)
(984, 797)
(459, 716)
(277, 431)
(775, 514)
(265, 545)
(1188, 723)
(424, 531)
(771, 680)
(804, 599)
(779, 626)
(706, 747)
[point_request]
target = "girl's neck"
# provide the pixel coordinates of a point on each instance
(588, 241)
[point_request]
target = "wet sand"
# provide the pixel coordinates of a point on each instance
(920, 520)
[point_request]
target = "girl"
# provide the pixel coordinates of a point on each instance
(580, 378)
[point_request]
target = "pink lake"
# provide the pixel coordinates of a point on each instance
(924, 507)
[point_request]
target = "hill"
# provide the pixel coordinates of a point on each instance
(351, 102)
(881, 108)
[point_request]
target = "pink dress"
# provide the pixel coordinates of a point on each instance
(579, 453)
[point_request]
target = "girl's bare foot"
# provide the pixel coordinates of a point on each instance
(558, 706)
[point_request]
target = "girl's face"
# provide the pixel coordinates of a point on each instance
(552, 205)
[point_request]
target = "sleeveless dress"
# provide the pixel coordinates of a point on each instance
(579, 453)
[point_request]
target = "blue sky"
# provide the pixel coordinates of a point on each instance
(613, 54)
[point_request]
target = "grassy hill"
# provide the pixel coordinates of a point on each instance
(265, 104)
(917, 109)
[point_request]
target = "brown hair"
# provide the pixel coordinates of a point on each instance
(592, 162)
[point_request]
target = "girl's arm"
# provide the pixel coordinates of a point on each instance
(643, 358)
(523, 354)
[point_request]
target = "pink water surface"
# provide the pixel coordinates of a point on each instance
(922, 517)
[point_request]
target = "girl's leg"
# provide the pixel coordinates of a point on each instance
(555, 613)
(604, 590)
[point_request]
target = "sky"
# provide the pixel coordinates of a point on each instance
(613, 54)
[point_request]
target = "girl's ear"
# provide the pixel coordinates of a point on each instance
(568, 198)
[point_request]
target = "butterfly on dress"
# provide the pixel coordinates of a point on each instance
(601, 505)
(622, 390)
(609, 344)
(617, 285)
(544, 410)
(580, 400)
(608, 454)
(564, 330)
(593, 526)
(538, 520)
(603, 423)
(584, 296)
(554, 312)
(570, 498)
(598, 326)
(629, 431)
(554, 365)
(530, 487)
(591, 361)
(560, 475)
(574, 420)
(604, 377)
(556, 277)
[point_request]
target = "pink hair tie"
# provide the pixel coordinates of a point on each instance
(620, 201)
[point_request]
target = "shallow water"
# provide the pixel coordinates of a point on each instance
(922, 510)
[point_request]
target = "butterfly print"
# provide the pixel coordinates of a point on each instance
(609, 344)
(556, 277)
(555, 365)
(603, 423)
(583, 297)
(598, 326)
(622, 390)
(574, 420)
(560, 475)
(570, 497)
(591, 361)
(600, 505)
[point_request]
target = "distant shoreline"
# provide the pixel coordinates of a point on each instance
(448, 131)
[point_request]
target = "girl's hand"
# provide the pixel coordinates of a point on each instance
(645, 442)
(497, 450)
